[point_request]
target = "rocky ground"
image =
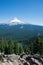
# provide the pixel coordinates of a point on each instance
(22, 59)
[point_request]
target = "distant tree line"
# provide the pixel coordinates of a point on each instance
(10, 47)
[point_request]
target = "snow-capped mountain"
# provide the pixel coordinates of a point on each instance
(15, 21)
(19, 31)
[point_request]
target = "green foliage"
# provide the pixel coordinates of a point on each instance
(16, 48)
(38, 46)
(21, 49)
(27, 49)
(3, 44)
(10, 47)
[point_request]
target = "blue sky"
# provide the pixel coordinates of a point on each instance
(29, 11)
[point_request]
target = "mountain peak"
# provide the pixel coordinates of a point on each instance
(15, 21)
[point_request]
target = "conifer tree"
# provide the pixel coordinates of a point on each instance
(21, 49)
(16, 48)
(10, 46)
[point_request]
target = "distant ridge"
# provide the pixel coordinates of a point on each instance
(20, 31)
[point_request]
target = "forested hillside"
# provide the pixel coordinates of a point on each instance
(20, 31)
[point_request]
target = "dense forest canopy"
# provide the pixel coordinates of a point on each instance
(32, 46)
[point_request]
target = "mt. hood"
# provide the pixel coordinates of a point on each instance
(15, 21)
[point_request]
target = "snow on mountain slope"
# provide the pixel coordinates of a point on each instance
(15, 21)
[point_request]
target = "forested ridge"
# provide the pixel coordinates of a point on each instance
(18, 33)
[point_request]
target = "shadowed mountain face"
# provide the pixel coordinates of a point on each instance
(20, 31)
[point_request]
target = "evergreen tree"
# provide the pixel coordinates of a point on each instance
(41, 48)
(16, 48)
(10, 46)
(36, 45)
(3, 44)
(27, 49)
(21, 49)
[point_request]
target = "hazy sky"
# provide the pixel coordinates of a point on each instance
(29, 11)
